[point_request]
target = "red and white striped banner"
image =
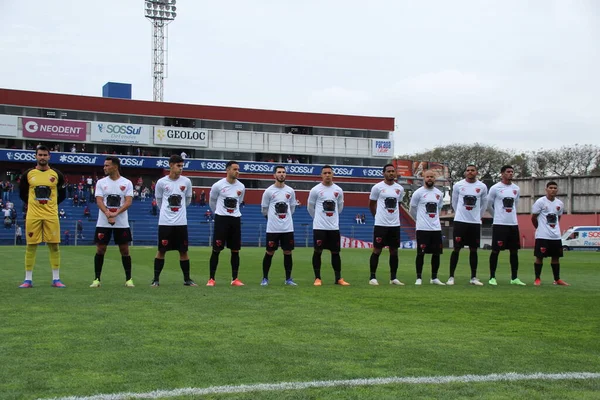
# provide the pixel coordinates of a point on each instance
(349, 243)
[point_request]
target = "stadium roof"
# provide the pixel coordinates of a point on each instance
(191, 111)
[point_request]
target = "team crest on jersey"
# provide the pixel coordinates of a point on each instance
(437, 196)
(30, 234)
(185, 242)
(397, 191)
(164, 242)
(122, 187)
(219, 243)
(378, 239)
(478, 190)
(515, 192)
(543, 249)
(500, 243)
(552, 226)
(319, 243)
(239, 192)
(287, 195)
(124, 233)
(292, 242)
(335, 194)
(100, 236)
(458, 239)
(423, 246)
(52, 179)
(431, 215)
(557, 208)
(271, 244)
(182, 188)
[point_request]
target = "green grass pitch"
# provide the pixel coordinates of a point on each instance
(81, 341)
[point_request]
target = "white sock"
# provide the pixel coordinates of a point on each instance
(28, 275)
(55, 274)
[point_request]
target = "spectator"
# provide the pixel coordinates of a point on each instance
(86, 212)
(73, 150)
(19, 234)
(193, 197)
(75, 201)
(298, 204)
(208, 216)
(289, 160)
(363, 218)
(183, 155)
(13, 215)
(154, 207)
(66, 238)
(7, 222)
(358, 219)
(62, 214)
(80, 229)
(6, 188)
(143, 194)
(202, 199)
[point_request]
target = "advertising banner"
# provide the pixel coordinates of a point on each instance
(403, 167)
(109, 132)
(180, 137)
(58, 129)
(440, 170)
(8, 125)
(382, 148)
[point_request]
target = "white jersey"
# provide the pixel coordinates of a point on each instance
(325, 203)
(548, 213)
(425, 206)
(469, 201)
(113, 195)
(279, 204)
(502, 203)
(173, 195)
(225, 198)
(388, 199)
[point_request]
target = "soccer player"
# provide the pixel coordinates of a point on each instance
(384, 203)
(469, 204)
(545, 216)
(325, 203)
(114, 194)
(425, 205)
(502, 203)
(225, 198)
(173, 196)
(42, 188)
(277, 205)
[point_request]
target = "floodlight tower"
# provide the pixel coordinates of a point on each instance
(160, 13)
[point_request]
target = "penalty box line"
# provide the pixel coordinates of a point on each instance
(270, 387)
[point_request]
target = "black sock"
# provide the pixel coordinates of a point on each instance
(453, 263)
(393, 266)
(185, 268)
(316, 262)
(214, 262)
(514, 265)
(473, 259)
(267, 259)
(98, 262)
(493, 264)
(538, 270)
(336, 263)
(235, 265)
(126, 261)
(419, 261)
(373, 262)
(435, 265)
(556, 271)
(158, 267)
(287, 265)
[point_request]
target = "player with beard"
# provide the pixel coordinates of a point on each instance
(173, 195)
(425, 205)
(277, 205)
(469, 204)
(42, 188)
(384, 203)
(114, 195)
(502, 202)
(325, 203)
(225, 198)
(545, 216)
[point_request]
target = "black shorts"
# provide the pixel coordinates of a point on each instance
(103, 235)
(506, 237)
(429, 242)
(548, 248)
(285, 239)
(328, 240)
(173, 238)
(228, 230)
(386, 236)
(465, 234)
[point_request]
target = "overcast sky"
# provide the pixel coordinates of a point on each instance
(512, 73)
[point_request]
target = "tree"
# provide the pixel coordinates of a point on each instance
(568, 160)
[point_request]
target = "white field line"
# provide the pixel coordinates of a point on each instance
(270, 387)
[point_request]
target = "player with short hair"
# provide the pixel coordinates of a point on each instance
(469, 204)
(502, 201)
(325, 203)
(384, 204)
(425, 205)
(545, 217)
(42, 188)
(114, 194)
(277, 205)
(173, 196)
(225, 198)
